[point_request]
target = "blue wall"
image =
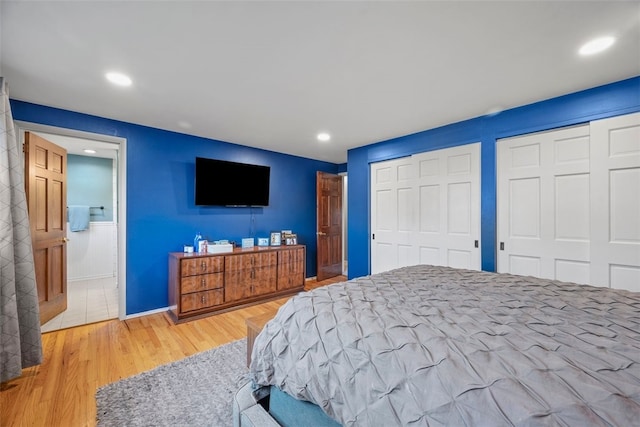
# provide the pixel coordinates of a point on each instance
(90, 183)
(161, 214)
(605, 101)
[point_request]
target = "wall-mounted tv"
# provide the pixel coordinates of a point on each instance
(224, 183)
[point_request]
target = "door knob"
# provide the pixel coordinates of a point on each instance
(65, 240)
(320, 233)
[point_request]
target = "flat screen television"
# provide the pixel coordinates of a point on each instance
(224, 183)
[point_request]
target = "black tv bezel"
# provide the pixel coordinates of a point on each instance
(203, 197)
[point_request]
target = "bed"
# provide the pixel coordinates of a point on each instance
(428, 345)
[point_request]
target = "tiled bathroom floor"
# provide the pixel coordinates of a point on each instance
(88, 301)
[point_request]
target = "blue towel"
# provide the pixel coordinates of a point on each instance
(78, 218)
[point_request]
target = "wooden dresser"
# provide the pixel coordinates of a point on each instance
(203, 284)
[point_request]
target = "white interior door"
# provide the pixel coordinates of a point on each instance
(392, 214)
(615, 204)
(448, 207)
(543, 205)
(425, 209)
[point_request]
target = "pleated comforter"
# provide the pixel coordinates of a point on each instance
(437, 346)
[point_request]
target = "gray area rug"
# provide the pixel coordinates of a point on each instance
(195, 391)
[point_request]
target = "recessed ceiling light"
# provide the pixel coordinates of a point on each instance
(494, 111)
(597, 45)
(119, 79)
(323, 136)
(89, 151)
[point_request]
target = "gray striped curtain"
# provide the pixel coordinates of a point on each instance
(20, 339)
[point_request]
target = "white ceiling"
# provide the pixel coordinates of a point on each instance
(75, 145)
(273, 74)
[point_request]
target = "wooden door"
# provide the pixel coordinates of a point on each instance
(329, 232)
(46, 188)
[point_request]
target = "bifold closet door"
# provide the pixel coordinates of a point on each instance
(448, 207)
(425, 209)
(615, 202)
(543, 205)
(569, 204)
(392, 214)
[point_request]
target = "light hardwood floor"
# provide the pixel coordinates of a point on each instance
(77, 361)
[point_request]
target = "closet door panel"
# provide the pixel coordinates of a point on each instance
(429, 199)
(448, 185)
(392, 214)
(615, 202)
(543, 204)
(429, 255)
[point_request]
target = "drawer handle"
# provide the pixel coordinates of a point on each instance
(203, 299)
(203, 265)
(203, 282)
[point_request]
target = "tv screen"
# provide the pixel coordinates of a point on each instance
(224, 183)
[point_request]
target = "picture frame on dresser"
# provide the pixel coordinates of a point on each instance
(291, 239)
(276, 238)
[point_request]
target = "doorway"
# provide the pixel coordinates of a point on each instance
(331, 202)
(96, 285)
(329, 225)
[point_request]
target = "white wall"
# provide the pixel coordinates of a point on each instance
(91, 254)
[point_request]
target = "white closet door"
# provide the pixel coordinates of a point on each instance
(448, 207)
(615, 204)
(392, 214)
(543, 205)
(425, 209)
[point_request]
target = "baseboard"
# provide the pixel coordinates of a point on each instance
(146, 313)
(101, 276)
(308, 279)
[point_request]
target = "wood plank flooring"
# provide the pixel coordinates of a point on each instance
(77, 361)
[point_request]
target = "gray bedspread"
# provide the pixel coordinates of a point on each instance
(428, 345)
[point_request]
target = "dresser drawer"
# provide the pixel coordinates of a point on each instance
(240, 284)
(291, 256)
(288, 281)
(247, 261)
(250, 275)
(203, 282)
(202, 265)
(198, 300)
